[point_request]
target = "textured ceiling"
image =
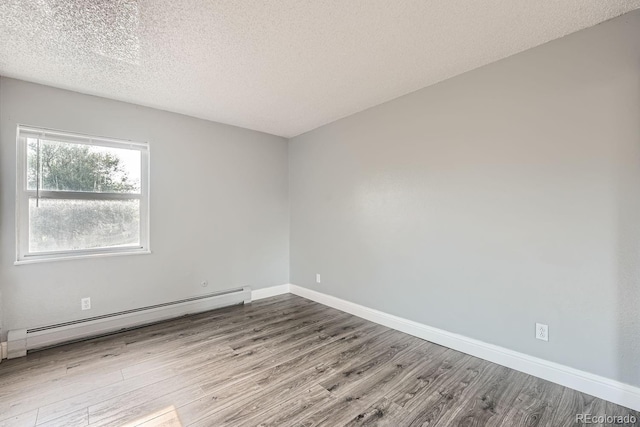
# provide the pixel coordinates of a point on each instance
(282, 66)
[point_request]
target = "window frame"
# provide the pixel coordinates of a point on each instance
(23, 195)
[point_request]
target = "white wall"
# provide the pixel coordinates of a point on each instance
(503, 197)
(219, 210)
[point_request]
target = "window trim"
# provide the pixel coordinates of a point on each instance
(23, 195)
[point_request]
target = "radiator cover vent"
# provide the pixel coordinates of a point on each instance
(21, 340)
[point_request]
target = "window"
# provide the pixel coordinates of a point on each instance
(80, 196)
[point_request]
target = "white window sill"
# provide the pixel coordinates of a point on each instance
(70, 257)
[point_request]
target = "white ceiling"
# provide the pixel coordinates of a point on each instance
(282, 66)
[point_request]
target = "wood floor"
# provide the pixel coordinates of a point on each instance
(276, 362)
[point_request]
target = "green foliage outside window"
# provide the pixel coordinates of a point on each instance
(70, 224)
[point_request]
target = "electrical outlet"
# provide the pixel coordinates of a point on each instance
(85, 303)
(542, 332)
(204, 283)
(318, 278)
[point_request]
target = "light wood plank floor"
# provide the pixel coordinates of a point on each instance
(276, 362)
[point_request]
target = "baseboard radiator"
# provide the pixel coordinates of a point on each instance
(19, 341)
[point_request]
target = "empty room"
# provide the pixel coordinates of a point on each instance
(319, 213)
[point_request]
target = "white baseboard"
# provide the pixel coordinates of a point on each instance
(595, 385)
(271, 291)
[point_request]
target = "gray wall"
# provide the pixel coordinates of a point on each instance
(219, 210)
(506, 196)
(480, 205)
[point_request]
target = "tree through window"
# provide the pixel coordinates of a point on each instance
(80, 195)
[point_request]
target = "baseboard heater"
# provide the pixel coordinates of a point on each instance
(19, 341)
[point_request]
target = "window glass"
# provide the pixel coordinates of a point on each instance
(61, 166)
(67, 224)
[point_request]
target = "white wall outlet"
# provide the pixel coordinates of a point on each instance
(542, 332)
(318, 278)
(85, 303)
(204, 283)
